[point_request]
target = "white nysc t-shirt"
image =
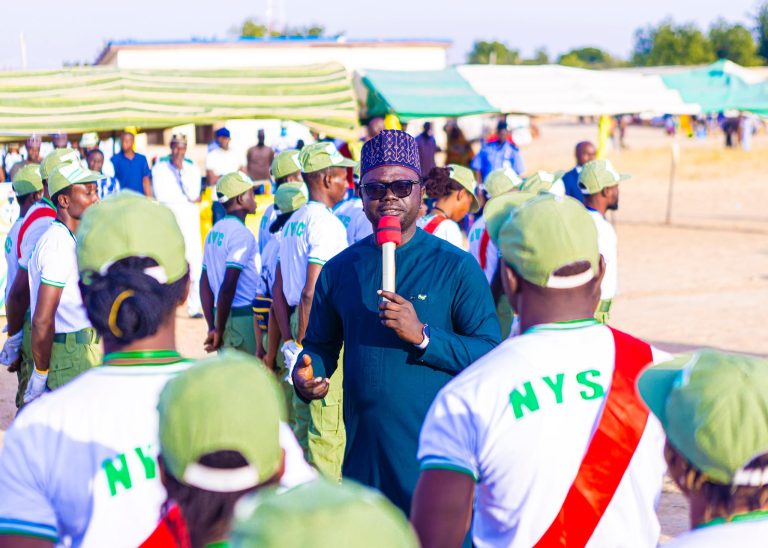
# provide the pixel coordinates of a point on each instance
(54, 263)
(448, 230)
(11, 255)
(350, 213)
(33, 233)
(519, 421)
(491, 252)
(313, 234)
(230, 244)
(607, 243)
(741, 534)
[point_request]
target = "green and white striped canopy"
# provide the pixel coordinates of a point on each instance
(76, 100)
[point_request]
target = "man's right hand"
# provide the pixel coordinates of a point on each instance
(11, 349)
(212, 341)
(37, 385)
(304, 380)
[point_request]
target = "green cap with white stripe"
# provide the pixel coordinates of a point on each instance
(599, 174)
(500, 181)
(544, 181)
(232, 185)
(27, 180)
(227, 403)
(56, 157)
(540, 234)
(322, 155)
(68, 174)
(291, 196)
(286, 163)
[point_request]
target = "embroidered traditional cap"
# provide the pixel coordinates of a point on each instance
(27, 180)
(539, 234)
(391, 147)
(599, 174)
(343, 515)
(127, 224)
(286, 163)
(714, 409)
(180, 138)
(227, 403)
(291, 196)
(500, 181)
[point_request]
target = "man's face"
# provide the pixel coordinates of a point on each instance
(224, 142)
(249, 201)
(338, 186)
(178, 151)
(126, 142)
(60, 140)
(81, 198)
(95, 161)
(406, 209)
(33, 153)
(612, 196)
(585, 153)
(503, 134)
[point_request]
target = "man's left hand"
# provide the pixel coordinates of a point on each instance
(399, 315)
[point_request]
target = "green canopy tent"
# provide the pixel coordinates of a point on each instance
(423, 94)
(77, 100)
(718, 87)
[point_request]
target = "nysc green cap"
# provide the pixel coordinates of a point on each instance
(714, 409)
(466, 179)
(128, 224)
(501, 181)
(321, 513)
(286, 163)
(70, 173)
(291, 196)
(539, 234)
(56, 157)
(232, 185)
(599, 174)
(227, 403)
(322, 155)
(27, 180)
(544, 181)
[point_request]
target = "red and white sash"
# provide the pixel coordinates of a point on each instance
(432, 225)
(36, 214)
(609, 453)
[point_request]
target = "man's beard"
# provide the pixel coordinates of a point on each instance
(613, 207)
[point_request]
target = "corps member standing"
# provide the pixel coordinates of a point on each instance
(350, 213)
(312, 237)
(64, 344)
(397, 353)
(599, 182)
(176, 184)
(285, 168)
(231, 269)
(551, 418)
(28, 187)
(78, 466)
(453, 189)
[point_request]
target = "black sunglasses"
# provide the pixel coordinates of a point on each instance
(376, 190)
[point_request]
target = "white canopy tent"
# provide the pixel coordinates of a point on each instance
(555, 89)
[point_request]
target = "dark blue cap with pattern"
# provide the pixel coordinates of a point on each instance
(391, 147)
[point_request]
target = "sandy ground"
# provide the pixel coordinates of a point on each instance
(701, 281)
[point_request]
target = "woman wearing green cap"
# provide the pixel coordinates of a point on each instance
(78, 465)
(453, 189)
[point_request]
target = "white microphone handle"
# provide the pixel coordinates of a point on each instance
(388, 266)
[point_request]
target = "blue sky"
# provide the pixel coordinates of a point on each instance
(57, 31)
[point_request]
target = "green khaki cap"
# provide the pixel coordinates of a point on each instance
(127, 224)
(232, 185)
(714, 409)
(599, 174)
(68, 174)
(540, 235)
(27, 180)
(286, 163)
(291, 196)
(56, 157)
(466, 179)
(321, 513)
(320, 156)
(501, 181)
(544, 181)
(230, 402)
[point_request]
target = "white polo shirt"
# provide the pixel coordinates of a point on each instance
(269, 260)
(230, 244)
(34, 231)
(221, 161)
(11, 255)
(607, 243)
(270, 214)
(448, 230)
(313, 234)
(491, 251)
(54, 263)
(175, 187)
(519, 421)
(350, 213)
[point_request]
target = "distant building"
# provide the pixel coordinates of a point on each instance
(260, 52)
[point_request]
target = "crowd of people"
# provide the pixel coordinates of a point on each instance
(484, 401)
